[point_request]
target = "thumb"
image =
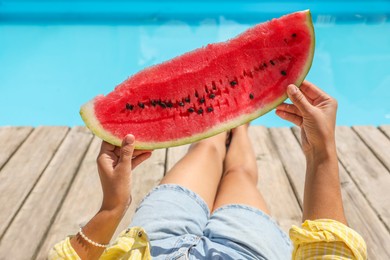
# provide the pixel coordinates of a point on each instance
(126, 153)
(298, 99)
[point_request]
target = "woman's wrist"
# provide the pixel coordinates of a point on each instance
(115, 207)
(325, 152)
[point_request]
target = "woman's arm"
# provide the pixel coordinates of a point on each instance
(114, 165)
(315, 113)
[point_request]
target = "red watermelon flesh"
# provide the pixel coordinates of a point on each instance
(208, 90)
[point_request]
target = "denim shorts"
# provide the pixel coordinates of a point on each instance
(179, 226)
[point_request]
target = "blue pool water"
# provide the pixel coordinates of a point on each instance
(55, 57)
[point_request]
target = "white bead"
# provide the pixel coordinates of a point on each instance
(90, 241)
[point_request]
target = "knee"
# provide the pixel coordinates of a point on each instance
(242, 172)
(208, 148)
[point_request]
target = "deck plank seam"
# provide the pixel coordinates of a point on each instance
(17, 149)
(166, 162)
(290, 181)
(34, 185)
(371, 150)
(53, 218)
(383, 132)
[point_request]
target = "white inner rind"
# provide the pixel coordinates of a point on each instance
(87, 112)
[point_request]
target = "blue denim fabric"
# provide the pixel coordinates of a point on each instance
(179, 226)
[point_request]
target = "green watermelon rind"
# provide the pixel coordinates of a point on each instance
(88, 114)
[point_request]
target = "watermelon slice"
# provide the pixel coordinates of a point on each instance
(208, 90)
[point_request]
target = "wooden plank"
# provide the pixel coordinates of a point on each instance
(378, 143)
(369, 174)
(85, 196)
(81, 203)
(174, 155)
(22, 171)
(363, 219)
(292, 157)
(273, 182)
(385, 129)
(46, 197)
(359, 213)
(10, 139)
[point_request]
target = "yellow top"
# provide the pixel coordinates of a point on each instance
(327, 239)
(319, 239)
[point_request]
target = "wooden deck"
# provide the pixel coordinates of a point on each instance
(49, 183)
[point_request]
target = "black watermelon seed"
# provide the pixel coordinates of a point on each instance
(162, 104)
(233, 83)
(284, 73)
(181, 104)
(141, 105)
(201, 100)
(169, 104)
(191, 109)
(265, 65)
(187, 99)
(212, 95)
(210, 109)
(272, 62)
(200, 111)
(196, 94)
(251, 96)
(294, 35)
(153, 102)
(129, 106)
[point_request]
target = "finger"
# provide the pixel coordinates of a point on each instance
(105, 163)
(139, 159)
(293, 118)
(117, 151)
(126, 153)
(298, 99)
(106, 147)
(291, 108)
(311, 91)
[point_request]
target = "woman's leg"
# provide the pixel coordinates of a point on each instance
(200, 170)
(239, 181)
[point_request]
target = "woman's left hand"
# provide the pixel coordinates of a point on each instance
(115, 165)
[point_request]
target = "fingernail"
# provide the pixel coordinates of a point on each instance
(292, 89)
(129, 139)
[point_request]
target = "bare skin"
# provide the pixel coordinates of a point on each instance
(114, 165)
(231, 177)
(223, 177)
(239, 180)
(314, 112)
(200, 170)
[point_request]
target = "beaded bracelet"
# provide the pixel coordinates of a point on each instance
(91, 241)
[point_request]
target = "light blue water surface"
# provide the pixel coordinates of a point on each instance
(48, 70)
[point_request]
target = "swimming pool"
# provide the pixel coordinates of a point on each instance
(54, 56)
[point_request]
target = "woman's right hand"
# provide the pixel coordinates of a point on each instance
(314, 112)
(115, 165)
